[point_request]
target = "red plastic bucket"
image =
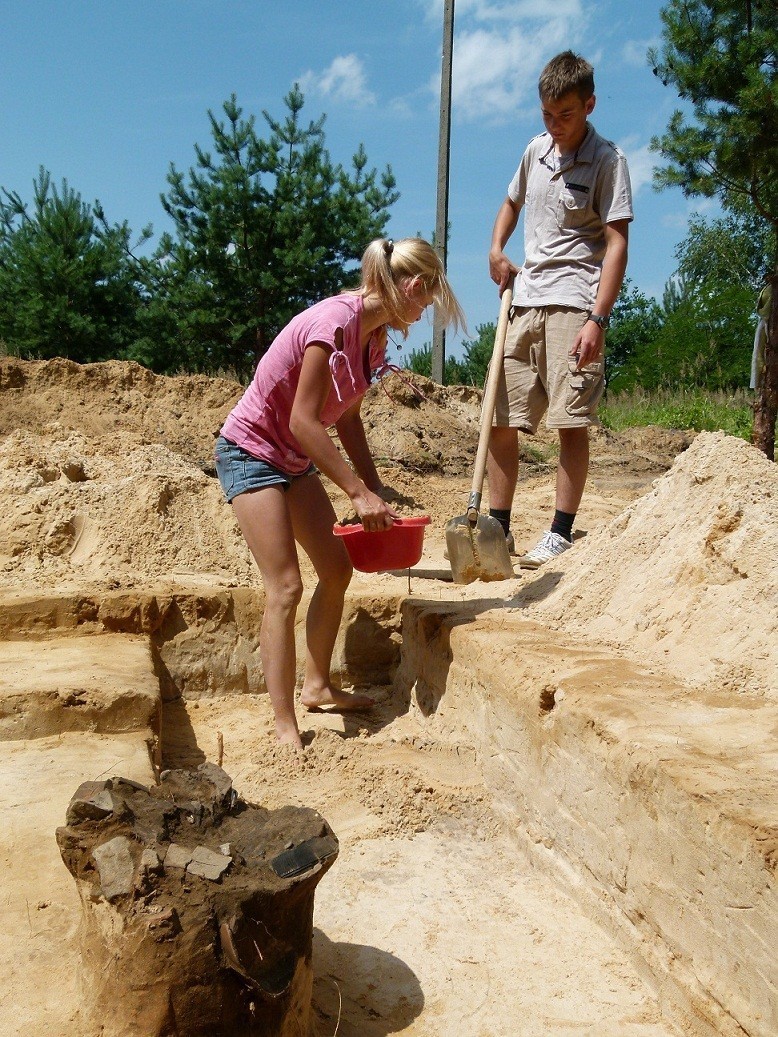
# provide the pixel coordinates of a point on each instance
(382, 549)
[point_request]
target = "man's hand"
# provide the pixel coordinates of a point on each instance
(501, 270)
(587, 348)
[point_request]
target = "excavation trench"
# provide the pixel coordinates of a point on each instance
(494, 730)
(561, 816)
(515, 858)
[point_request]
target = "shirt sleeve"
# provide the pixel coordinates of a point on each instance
(517, 189)
(615, 201)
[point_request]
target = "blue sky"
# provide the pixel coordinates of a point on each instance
(108, 94)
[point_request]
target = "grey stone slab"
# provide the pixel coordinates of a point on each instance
(116, 867)
(177, 856)
(92, 801)
(208, 864)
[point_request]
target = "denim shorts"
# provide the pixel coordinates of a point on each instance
(239, 472)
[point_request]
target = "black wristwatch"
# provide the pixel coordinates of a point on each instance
(601, 322)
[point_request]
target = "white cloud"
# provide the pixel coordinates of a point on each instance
(344, 81)
(500, 49)
(504, 12)
(641, 163)
(634, 52)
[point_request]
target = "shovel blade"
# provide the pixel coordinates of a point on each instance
(477, 551)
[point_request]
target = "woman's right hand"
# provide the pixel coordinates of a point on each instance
(374, 512)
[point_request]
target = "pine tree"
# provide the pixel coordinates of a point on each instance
(67, 287)
(264, 227)
(721, 56)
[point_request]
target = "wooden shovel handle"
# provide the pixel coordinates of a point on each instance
(490, 396)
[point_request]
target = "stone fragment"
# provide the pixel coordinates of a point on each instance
(177, 856)
(205, 793)
(163, 924)
(150, 866)
(207, 864)
(116, 867)
(149, 859)
(91, 801)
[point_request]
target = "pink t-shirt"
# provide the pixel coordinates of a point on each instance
(259, 422)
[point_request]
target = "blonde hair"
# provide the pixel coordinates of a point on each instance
(388, 266)
(565, 73)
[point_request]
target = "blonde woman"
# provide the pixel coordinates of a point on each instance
(275, 442)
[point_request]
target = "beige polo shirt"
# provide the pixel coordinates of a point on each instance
(567, 201)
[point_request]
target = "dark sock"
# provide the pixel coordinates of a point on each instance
(563, 525)
(503, 516)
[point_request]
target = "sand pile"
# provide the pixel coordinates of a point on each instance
(433, 433)
(108, 477)
(77, 512)
(107, 399)
(687, 573)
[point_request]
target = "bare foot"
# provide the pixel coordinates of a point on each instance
(335, 701)
(289, 736)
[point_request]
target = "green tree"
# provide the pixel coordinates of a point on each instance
(722, 56)
(264, 227)
(470, 370)
(635, 323)
(67, 286)
(703, 333)
(476, 355)
(733, 249)
(700, 342)
(420, 362)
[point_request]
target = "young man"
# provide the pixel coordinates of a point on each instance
(575, 190)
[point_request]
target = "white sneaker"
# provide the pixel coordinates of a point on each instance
(550, 545)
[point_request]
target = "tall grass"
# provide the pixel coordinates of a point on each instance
(681, 409)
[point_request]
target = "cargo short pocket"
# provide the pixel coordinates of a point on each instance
(584, 388)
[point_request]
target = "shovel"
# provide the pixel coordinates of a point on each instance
(477, 547)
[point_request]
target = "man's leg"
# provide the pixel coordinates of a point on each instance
(571, 475)
(502, 467)
(573, 468)
(571, 394)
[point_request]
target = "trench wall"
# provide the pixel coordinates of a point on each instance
(607, 773)
(205, 642)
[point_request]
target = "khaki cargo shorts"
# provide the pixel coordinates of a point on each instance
(539, 375)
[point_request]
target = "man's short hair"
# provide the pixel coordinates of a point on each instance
(566, 72)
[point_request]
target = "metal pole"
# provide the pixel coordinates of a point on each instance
(441, 222)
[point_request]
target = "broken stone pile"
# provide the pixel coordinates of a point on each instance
(197, 907)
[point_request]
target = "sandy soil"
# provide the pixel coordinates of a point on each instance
(433, 920)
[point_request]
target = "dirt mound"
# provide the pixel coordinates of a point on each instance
(436, 432)
(105, 400)
(687, 573)
(80, 511)
(116, 399)
(107, 469)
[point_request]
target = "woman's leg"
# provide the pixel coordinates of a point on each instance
(312, 520)
(264, 520)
